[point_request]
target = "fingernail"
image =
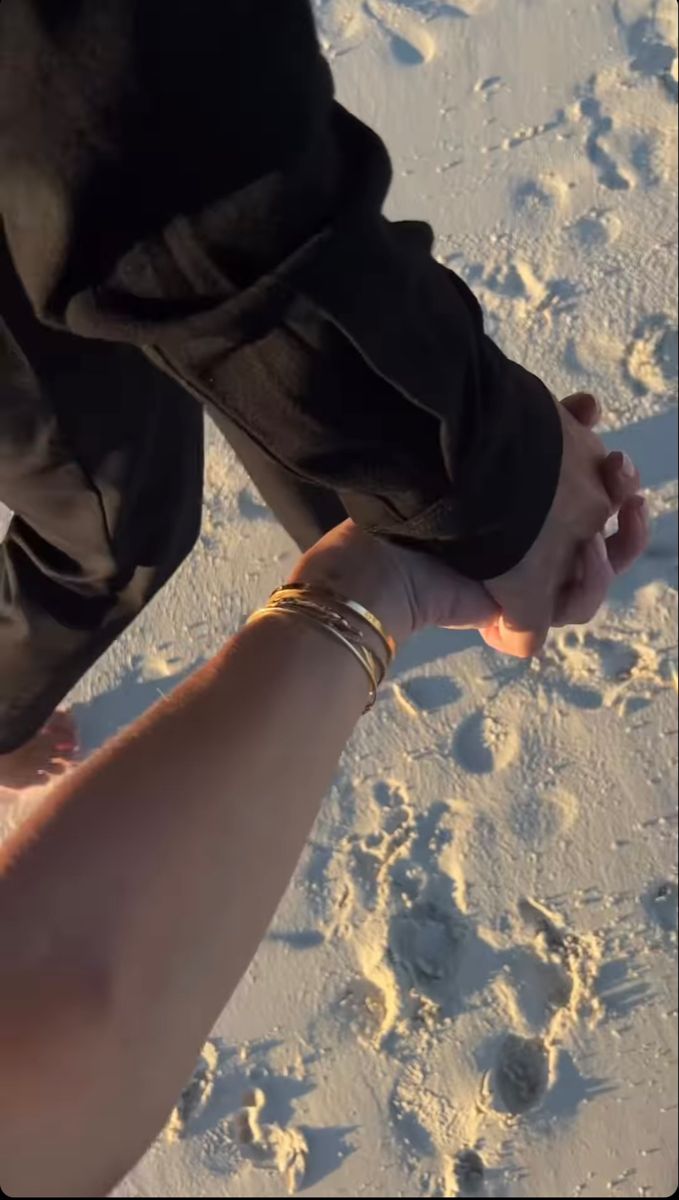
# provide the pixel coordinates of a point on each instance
(639, 503)
(627, 468)
(595, 405)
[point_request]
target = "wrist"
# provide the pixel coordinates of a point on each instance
(359, 567)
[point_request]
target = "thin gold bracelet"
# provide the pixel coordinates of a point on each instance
(328, 614)
(352, 605)
(338, 625)
(349, 637)
(362, 654)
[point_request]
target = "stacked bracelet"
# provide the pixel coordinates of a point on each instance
(338, 617)
(311, 590)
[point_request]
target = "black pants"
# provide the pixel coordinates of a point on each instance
(188, 188)
(101, 460)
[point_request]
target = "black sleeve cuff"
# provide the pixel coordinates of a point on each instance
(509, 496)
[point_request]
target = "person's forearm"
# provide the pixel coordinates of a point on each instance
(144, 888)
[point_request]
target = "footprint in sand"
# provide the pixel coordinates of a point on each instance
(196, 1095)
(371, 860)
(542, 974)
(362, 1009)
(651, 361)
(345, 24)
(608, 170)
(408, 25)
(424, 946)
(544, 923)
(469, 1173)
(411, 42)
(627, 673)
(521, 1074)
(398, 810)
(598, 227)
(529, 197)
(364, 866)
(428, 693)
(650, 43)
(617, 659)
(483, 744)
(341, 25)
(284, 1148)
(557, 977)
(252, 508)
(542, 988)
(513, 281)
(539, 818)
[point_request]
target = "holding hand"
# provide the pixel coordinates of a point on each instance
(562, 580)
(566, 574)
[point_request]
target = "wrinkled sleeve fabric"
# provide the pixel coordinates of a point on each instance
(180, 177)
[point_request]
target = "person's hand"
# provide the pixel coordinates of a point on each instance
(565, 576)
(407, 589)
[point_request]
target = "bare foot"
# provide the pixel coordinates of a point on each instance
(49, 753)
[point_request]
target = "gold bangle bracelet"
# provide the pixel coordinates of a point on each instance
(362, 654)
(352, 605)
(334, 622)
(328, 614)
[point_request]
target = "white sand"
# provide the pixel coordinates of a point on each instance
(478, 949)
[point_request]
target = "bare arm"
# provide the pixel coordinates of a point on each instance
(132, 903)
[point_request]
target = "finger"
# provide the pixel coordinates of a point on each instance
(492, 637)
(584, 407)
(581, 599)
(519, 643)
(465, 604)
(620, 476)
(631, 539)
(443, 597)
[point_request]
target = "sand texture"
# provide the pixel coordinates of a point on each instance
(470, 987)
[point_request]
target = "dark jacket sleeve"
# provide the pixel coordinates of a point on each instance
(179, 176)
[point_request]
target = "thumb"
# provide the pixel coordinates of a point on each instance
(520, 643)
(584, 407)
(467, 605)
(440, 595)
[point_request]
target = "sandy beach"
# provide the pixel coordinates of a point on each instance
(470, 987)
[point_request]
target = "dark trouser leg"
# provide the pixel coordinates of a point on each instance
(305, 510)
(68, 589)
(101, 461)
